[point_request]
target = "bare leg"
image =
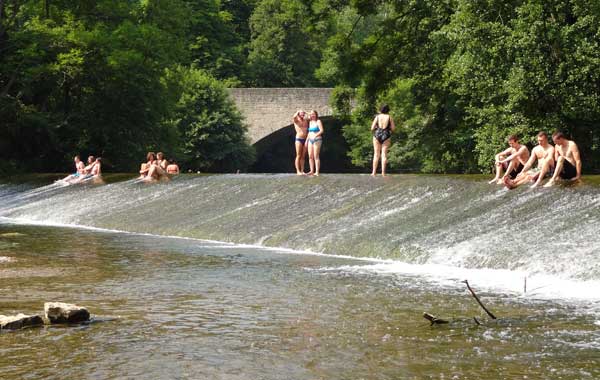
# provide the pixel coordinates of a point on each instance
(559, 166)
(498, 174)
(384, 150)
(542, 174)
(311, 159)
(304, 155)
(299, 158)
(317, 152)
(512, 165)
(376, 155)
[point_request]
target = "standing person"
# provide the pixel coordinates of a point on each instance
(315, 140)
(568, 161)
(544, 154)
(512, 160)
(382, 128)
(301, 127)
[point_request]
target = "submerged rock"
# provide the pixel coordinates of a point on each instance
(58, 312)
(19, 321)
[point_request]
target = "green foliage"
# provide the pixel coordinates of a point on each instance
(212, 132)
(462, 75)
(284, 51)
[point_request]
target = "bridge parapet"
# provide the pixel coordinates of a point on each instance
(267, 110)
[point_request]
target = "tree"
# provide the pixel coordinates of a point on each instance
(213, 135)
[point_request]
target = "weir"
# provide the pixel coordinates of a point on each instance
(454, 222)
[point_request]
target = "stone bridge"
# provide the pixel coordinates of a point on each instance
(269, 110)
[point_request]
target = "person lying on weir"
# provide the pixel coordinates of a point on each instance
(568, 161)
(544, 154)
(511, 160)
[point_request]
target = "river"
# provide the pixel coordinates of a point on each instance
(276, 276)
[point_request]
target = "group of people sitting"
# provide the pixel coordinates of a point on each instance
(157, 168)
(83, 172)
(514, 165)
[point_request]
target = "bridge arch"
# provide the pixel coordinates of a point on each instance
(270, 110)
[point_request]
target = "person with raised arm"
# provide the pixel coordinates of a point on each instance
(568, 161)
(543, 153)
(511, 160)
(382, 128)
(301, 126)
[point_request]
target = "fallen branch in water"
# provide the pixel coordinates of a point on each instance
(479, 301)
(434, 320)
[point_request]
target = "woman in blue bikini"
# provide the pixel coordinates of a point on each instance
(301, 126)
(315, 140)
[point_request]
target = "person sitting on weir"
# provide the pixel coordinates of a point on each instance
(172, 168)
(79, 171)
(155, 167)
(544, 154)
(511, 160)
(568, 161)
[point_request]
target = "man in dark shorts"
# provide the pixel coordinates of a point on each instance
(511, 160)
(568, 161)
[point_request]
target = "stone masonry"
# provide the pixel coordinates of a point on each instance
(267, 110)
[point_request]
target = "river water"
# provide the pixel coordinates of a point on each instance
(274, 276)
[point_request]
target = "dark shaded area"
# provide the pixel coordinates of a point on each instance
(276, 152)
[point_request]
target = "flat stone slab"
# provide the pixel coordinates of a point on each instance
(58, 312)
(19, 321)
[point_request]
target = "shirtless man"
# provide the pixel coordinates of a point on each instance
(512, 159)
(79, 171)
(544, 154)
(301, 126)
(568, 162)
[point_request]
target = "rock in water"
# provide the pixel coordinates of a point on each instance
(58, 312)
(19, 321)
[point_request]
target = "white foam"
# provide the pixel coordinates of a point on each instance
(496, 280)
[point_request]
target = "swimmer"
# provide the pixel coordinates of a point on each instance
(544, 154)
(568, 161)
(511, 160)
(301, 127)
(382, 128)
(315, 140)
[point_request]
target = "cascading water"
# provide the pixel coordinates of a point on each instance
(434, 223)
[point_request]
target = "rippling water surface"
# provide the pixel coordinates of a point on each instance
(170, 307)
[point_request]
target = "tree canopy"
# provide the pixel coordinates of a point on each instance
(118, 78)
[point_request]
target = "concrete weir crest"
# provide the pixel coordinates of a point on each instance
(268, 110)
